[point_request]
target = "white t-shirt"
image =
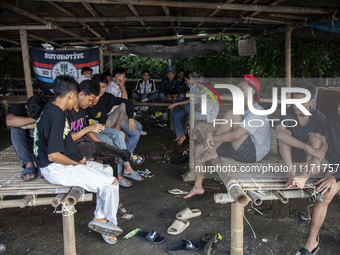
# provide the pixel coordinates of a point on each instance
(114, 89)
(259, 135)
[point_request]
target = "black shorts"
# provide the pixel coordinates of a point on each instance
(298, 155)
(246, 152)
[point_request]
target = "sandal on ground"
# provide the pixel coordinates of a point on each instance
(188, 213)
(120, 209)
(151, 237)
(185, 246)
(304, 251)
(107, 239)
(125, 183)
(177, 192)
(134, 176)
(29, 171)
(137, 159)
(145, 173)
(177, 227)
(207, 241)
(108, 228)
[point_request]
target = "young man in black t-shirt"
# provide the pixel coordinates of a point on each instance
(329, 185)
(301, 140)
(21, 119)
(61, 163)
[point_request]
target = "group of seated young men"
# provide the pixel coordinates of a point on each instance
(311, 140)
(63, 140)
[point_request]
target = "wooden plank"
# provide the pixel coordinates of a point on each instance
(26, 63)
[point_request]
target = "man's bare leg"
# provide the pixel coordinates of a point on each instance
(313, 163)
(318, 218)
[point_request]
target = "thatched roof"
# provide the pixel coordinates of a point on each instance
(65, 23)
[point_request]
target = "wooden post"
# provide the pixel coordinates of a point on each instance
(236, 229)
(68, 232)
(169, 62)
(26, 62)
(101, 61)
(288, 46)
(111, 64)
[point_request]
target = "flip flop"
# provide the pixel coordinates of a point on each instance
(177, 227)
(107, 239)
(120, 209)
(124, 182)
(185, 246)
(108, 228)
(207, 241)
(135, 158)
(177, 192)
(151, 237)
(188, 213)
(133, 176)
(304, 251)
(145, 173)
(29, 170)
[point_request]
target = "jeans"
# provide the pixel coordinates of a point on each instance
(93, 177)
(132, 136)
(164, 97)
(151, 97)
(177, 116)
(23, 144)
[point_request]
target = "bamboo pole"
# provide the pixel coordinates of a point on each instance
(27, 199)
(280, 196)
(101, 60)
(111, 64)
(255, 197)
(209, 5)
(234, 189)
(236, 229)
(26, 63)
(57, 200)
(27, 27)
(68, 231)
(72, 197)
(288, 54)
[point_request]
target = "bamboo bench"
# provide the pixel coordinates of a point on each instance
(12, 186)
(243, 187)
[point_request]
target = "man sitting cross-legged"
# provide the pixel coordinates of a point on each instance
(241, 140)
(61, 163)
(300, 140)
(329, 185)
(21, 119)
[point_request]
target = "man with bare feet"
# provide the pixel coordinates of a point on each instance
(300, 140)
(61, 163)
(329, 185)
(237, 139)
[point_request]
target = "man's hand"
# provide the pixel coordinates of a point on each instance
(209, 140)
(174, 97)
(144, 96)
(96, 128)
(131, 124)
(82, 161)
(169, 97)
(315, 152)
(172, 106)
(326, 184)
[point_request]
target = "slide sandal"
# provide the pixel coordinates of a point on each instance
(108, 228)
(177, 227)
(134, 176)
(177, 192)
(304, 251)
(185, 246)
(151, 237)
(107, 239)
(135, 158)
(29, 170)
(125, 183)
(187, 214)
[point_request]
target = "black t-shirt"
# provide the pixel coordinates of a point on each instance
(19, 110)
(98, 113)
(77, 119)
(52, 134)
(331, 131)
(169, 87)
(314, 124)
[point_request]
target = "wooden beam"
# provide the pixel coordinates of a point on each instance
(43, 21)
(207, 5)
(33, 27)
(95, 14)
(179, 14)
(167, 13)
(68, 13)
(26, 63)
(9, 41)
(276, 2)
(151, 19)
(250, 19)
(162, 38)
(287, 16)
(12, 49)
(288, 57)
(236, 229)
(45, 40)
(134, 11)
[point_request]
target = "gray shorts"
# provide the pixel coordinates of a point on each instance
(298, 155)
(246, 152)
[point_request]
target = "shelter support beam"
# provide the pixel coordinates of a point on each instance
(26, 62)
(236, 229)
(288, 54)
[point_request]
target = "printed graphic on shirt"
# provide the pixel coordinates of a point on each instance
(77, 125)
(36, 138)
(66, 129)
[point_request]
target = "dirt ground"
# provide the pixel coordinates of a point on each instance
(280, 230)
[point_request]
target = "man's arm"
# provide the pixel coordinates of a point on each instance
(96, 128)
(60, 158)
(17, 121)
(93, 137)
(231, 136)
(178, 104)
(117, 101)
(124, 92)
(153, 87)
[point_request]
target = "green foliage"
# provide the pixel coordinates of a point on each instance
(10, 66)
